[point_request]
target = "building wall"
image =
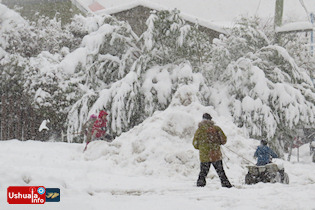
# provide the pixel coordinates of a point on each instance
(138, 16)
(211, 33)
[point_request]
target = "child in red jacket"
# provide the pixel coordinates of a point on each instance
(99, 127)
(95, 128)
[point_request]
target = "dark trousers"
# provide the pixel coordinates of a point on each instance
(204, 170)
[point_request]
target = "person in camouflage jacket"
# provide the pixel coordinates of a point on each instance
(207, 139)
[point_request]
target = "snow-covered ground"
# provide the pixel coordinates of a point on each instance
(153, 166)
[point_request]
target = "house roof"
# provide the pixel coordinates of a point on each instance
(214, 14)
(154, 6)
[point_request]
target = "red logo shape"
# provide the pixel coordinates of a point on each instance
(26, 195)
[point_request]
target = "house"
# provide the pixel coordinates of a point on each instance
(137, 13)
(213, 16)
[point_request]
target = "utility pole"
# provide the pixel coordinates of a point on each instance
(312, 34)
(278, 17)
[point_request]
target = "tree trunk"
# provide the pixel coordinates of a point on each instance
(3, 117)
(10, 116)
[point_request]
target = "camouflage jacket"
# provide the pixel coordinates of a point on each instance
(207, 140)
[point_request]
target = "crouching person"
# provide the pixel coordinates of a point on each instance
(207, 140)
(264, 156)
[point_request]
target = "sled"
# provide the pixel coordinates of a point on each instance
(269, 173)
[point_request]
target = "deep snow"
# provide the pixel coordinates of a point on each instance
(153, 166)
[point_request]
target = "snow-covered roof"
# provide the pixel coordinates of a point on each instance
(295, 26)
(214, 14)
(152, 5)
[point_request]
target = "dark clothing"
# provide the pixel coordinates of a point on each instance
(204, 170)
(264, 154)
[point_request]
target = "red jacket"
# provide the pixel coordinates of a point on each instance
(100, 124)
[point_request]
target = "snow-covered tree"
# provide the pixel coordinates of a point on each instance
(245, 37)
(298, 46)
(30, 39)
(270, 94)
(170, 39)
(132, 77)
(30, 79)
(18, 119)
(93, 63)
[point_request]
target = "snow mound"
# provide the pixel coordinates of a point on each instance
(179, 124)
(162, 144)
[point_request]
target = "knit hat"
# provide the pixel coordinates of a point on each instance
(206, 116)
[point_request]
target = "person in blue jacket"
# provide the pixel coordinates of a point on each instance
(264, 153)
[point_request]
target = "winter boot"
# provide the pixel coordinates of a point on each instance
(226, 184)
(201, 182)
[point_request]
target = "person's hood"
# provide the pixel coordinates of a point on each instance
(206, 123)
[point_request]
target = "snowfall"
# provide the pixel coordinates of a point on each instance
(153, 166)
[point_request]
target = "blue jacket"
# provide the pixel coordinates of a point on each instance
(263, 154)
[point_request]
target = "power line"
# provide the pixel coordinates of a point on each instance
(306, 11)
(257, 8)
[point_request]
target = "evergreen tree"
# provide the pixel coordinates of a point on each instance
(40, 90)
(170, 39)
(99, 63)
(130, 77)
(18, 119)
(271, 95)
